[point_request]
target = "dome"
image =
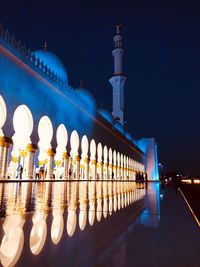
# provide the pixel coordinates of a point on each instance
(52, 62)
(86, 96)
(106, 115)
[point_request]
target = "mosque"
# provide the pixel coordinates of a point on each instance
(50, 130)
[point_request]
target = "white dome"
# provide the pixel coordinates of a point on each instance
(52, 62)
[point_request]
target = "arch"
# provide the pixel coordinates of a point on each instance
(23, 115)
(45, 131)
(105, 154)
(3, 114)
(114, 157)
(122, 160)
(61, 136)
(92, 149)
(99, 152)
(74, 142)
(118, 159)
(110, 155)
(84, 146)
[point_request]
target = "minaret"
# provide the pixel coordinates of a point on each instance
(118, 79)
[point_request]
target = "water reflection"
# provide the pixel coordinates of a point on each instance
(16, 198)
(56, 209)
(39, 229)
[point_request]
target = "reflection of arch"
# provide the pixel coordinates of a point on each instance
(57, 226)
(13, 240)
(91, 215)
(99, 210)
(82, 218)
(3, 114)
(38, 236)
(71, 222)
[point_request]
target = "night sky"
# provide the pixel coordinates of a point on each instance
(162, 62)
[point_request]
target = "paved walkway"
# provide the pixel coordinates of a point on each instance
(165, 235)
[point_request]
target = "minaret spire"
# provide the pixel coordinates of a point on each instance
(118, 79)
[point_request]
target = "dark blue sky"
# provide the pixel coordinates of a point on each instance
(162, 61)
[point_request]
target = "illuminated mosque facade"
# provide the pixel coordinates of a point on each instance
(46, 124)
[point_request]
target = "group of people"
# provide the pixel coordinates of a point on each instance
(141, 177)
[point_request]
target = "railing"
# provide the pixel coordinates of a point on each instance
(30, 56)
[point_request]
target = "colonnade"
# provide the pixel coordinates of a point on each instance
(21, 159)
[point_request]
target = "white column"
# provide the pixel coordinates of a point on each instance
(4, 146)
(86, 168)
(66, 165)
(50, 161)
(29, 165)
(93, 164)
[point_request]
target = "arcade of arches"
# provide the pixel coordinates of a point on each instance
(21, 159)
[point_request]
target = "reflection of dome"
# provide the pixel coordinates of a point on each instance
(52, 62)
(87, 97)
(106, 115)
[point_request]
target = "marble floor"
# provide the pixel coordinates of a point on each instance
(96, 224)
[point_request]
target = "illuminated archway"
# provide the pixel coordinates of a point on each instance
(3, 114)
(62, 138)
(84, 167)
(93, 160)
(75, 163)
(21, 139)
(105, 162)
(45, 132)
(99, 162)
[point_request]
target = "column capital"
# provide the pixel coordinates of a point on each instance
(5, 141)
(66, 155)
(31, 148)
(51, 152)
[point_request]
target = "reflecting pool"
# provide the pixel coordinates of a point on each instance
(66, 223)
